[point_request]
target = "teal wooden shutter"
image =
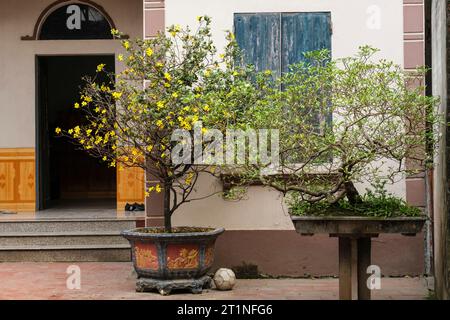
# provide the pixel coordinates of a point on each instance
(259, 37)
(273, 41)
(303, 32)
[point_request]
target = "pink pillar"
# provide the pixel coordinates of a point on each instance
(153, 22)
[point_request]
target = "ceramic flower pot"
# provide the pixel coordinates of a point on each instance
(187, 253)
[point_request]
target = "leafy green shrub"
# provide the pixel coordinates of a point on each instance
(377, 203)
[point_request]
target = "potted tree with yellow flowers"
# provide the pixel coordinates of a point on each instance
(172, 88)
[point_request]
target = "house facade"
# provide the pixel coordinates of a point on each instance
(45, 50)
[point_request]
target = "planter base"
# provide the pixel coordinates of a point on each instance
(354, 259)
(165, 287)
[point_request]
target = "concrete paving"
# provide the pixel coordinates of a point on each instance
(107, 281)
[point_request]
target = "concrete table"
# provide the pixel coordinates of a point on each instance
(355, 245)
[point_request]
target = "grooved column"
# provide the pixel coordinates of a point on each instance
(414, 56)
(154, 21)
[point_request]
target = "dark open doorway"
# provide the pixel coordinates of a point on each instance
(68, 177)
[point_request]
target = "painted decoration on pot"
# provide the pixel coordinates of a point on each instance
(146, 256)
(182, 256)
(209, 255)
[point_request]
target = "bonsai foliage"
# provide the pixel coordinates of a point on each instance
(340, 122)
(168, 83)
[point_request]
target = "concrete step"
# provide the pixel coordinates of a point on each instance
(74, 253)
(66, 240)
(60, 226)
(61, 239)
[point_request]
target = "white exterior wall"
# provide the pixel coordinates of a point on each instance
(351, 20)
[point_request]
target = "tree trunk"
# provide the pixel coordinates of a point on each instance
(351, 193)
(167, 213)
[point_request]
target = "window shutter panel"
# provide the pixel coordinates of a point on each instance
(303, 32)
(259, 37)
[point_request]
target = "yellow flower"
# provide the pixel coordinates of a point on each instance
(77, 105)
(97, 109)
(168, 76)
(88, 99)
(101, 67)
(117, 95)
(114, 32)
(120, 57)
(104, 158)
(84, 103)
(126, 45)
(149, 148)
(175, 95)
(159, 65)
(189, 178)
(204, 130)
(206, 108)
(160, 104)
(70, 131)
(149, 52)
(160, 124)
(58, 130)
(158, 188)
(175, 30)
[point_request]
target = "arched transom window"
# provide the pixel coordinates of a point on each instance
(75, 21)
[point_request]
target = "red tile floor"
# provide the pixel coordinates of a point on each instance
(116, 281)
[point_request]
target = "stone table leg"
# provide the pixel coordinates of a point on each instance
(364, 261)
(354, 258)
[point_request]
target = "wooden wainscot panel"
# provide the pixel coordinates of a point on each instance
(17, 179)
(130, 186)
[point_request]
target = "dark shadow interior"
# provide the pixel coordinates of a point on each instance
(68, 177)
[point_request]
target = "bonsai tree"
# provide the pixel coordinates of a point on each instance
(146, 116)
(341, 122)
